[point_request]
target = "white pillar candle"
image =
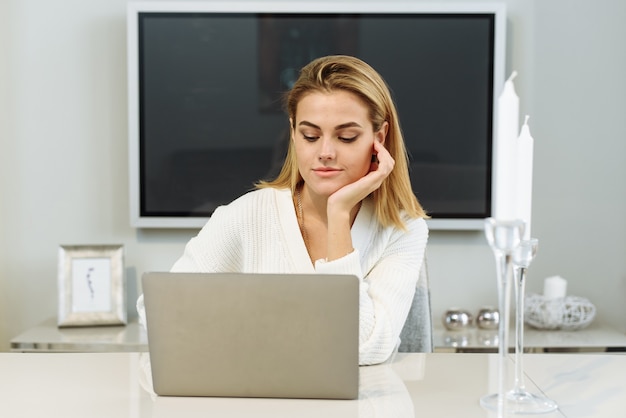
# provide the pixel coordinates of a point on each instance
(554, 287)
(524, 177)
(507, 130)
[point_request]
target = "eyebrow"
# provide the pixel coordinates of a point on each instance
(342, 126)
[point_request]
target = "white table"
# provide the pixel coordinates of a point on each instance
(73, 385)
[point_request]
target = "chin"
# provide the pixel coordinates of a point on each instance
(324, 189)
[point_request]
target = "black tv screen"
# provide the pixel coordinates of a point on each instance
(207, 120)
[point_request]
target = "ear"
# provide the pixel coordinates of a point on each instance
(381, 134)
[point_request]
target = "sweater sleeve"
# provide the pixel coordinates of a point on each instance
(386, 290)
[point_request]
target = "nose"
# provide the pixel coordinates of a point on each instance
(327, 149)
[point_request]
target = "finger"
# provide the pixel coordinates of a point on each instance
(381, 151)
(385, 162)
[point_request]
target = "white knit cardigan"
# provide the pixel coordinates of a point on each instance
(259, 232)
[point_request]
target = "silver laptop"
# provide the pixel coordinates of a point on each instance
(253, 335)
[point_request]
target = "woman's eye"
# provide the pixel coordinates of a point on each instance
(310, 138)
(348, 139)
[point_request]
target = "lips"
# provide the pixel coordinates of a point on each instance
(326, 171)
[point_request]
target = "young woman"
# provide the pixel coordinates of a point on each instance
(342, 202)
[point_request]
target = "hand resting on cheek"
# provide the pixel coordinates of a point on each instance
(351, 194)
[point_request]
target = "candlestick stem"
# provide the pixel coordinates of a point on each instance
(519, 400)
(503, 237)
(519, 329)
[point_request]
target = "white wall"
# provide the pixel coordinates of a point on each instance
(63, 155)
(4, 136)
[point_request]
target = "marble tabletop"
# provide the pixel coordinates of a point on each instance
(96, 385)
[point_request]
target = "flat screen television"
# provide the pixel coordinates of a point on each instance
(205, 81)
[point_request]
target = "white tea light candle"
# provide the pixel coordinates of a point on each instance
(554, 287)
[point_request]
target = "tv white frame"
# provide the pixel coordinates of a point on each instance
(285, 6)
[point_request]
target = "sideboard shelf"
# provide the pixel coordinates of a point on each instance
(47, 337)
(596, 337)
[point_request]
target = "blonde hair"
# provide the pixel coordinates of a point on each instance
(340, 72)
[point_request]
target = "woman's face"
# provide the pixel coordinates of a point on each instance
(333, 138)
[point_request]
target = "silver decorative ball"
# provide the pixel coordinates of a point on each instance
(488, 318)
(457, 319)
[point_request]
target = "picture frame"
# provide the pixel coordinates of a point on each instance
(91, 285)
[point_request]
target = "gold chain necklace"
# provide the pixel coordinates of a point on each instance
(300, 215)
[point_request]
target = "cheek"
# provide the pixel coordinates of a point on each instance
(361, 162)
(303, 153)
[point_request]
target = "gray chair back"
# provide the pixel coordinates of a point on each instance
(417, 333)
